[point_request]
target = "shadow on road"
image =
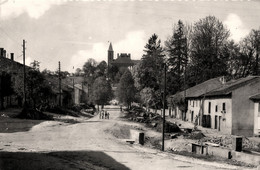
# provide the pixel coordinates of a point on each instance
(58, 160)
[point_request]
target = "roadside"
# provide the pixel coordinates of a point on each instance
(180, 142)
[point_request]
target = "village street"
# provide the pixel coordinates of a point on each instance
(56, 145)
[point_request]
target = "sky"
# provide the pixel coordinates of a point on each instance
(74, 31)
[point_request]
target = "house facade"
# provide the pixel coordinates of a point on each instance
(256, 100)
(194, 96)
(229, 108)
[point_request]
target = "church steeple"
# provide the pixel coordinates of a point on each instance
(110, 47)
(110, 55)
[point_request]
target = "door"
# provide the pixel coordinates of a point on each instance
(192, 116)
(216, 122)
(219, 123)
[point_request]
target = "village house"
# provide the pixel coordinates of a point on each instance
(256, 100)
(194, 94)
(229, 107)
(15, 69)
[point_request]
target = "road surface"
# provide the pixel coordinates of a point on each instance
(56, 145)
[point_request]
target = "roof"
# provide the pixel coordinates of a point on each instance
(201, 89)
(255, 97)
(110, 47)
(230, 86)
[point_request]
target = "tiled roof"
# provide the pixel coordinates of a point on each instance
(255, 97)
(232, 85)
(201, 89)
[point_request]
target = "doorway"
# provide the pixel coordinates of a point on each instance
(216, 122)
(219, 123)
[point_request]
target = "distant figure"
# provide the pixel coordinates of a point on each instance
(102, 114)
(107, 115)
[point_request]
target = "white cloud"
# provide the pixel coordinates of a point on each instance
(133, 43)
(236, 26)
(34, 8)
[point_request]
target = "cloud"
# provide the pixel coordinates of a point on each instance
(132, 43)
(236, 27)
(34, 8)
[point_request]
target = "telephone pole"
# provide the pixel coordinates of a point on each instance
(24, 76)
(59, 86)
(164, 94)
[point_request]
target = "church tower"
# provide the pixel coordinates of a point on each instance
(110, 55)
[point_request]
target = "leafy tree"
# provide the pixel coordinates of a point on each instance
(126, 89)
(47, 72)
(89, 67)
(37, 88)
(250, 47)
(78, 72)
(101, 69)
(112, 72)
(35, 65)
(231, 51)
(208, 39)
(102, 93)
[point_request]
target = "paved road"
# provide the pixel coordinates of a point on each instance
(89, 137)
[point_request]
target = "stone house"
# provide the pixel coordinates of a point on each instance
(195, 95)
(229, 107)
(256, 100)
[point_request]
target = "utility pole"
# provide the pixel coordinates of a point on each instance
(59, 86)
(164, 94)
(24, 76)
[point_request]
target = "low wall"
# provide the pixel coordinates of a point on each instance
(246, 157)
(249, 158)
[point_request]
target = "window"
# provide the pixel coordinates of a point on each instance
(216, 109)
(224, 106)
(259, 109)
(209, 107)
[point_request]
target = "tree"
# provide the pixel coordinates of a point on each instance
(89, 67)
(102, 93)
(126, 89)
(151, 65)
(101, 69)
(112, 72)
(37, 88)
(208, 39)
(78, 72)
(150, 70)
(250, 48)
(176, 47)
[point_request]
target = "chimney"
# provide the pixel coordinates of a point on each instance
(1, 52)
(4, 53)
(222, 80)
(12, 56)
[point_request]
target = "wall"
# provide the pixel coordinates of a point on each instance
(193, 105)
(256, 119)
(243, 109)
(223, 118)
